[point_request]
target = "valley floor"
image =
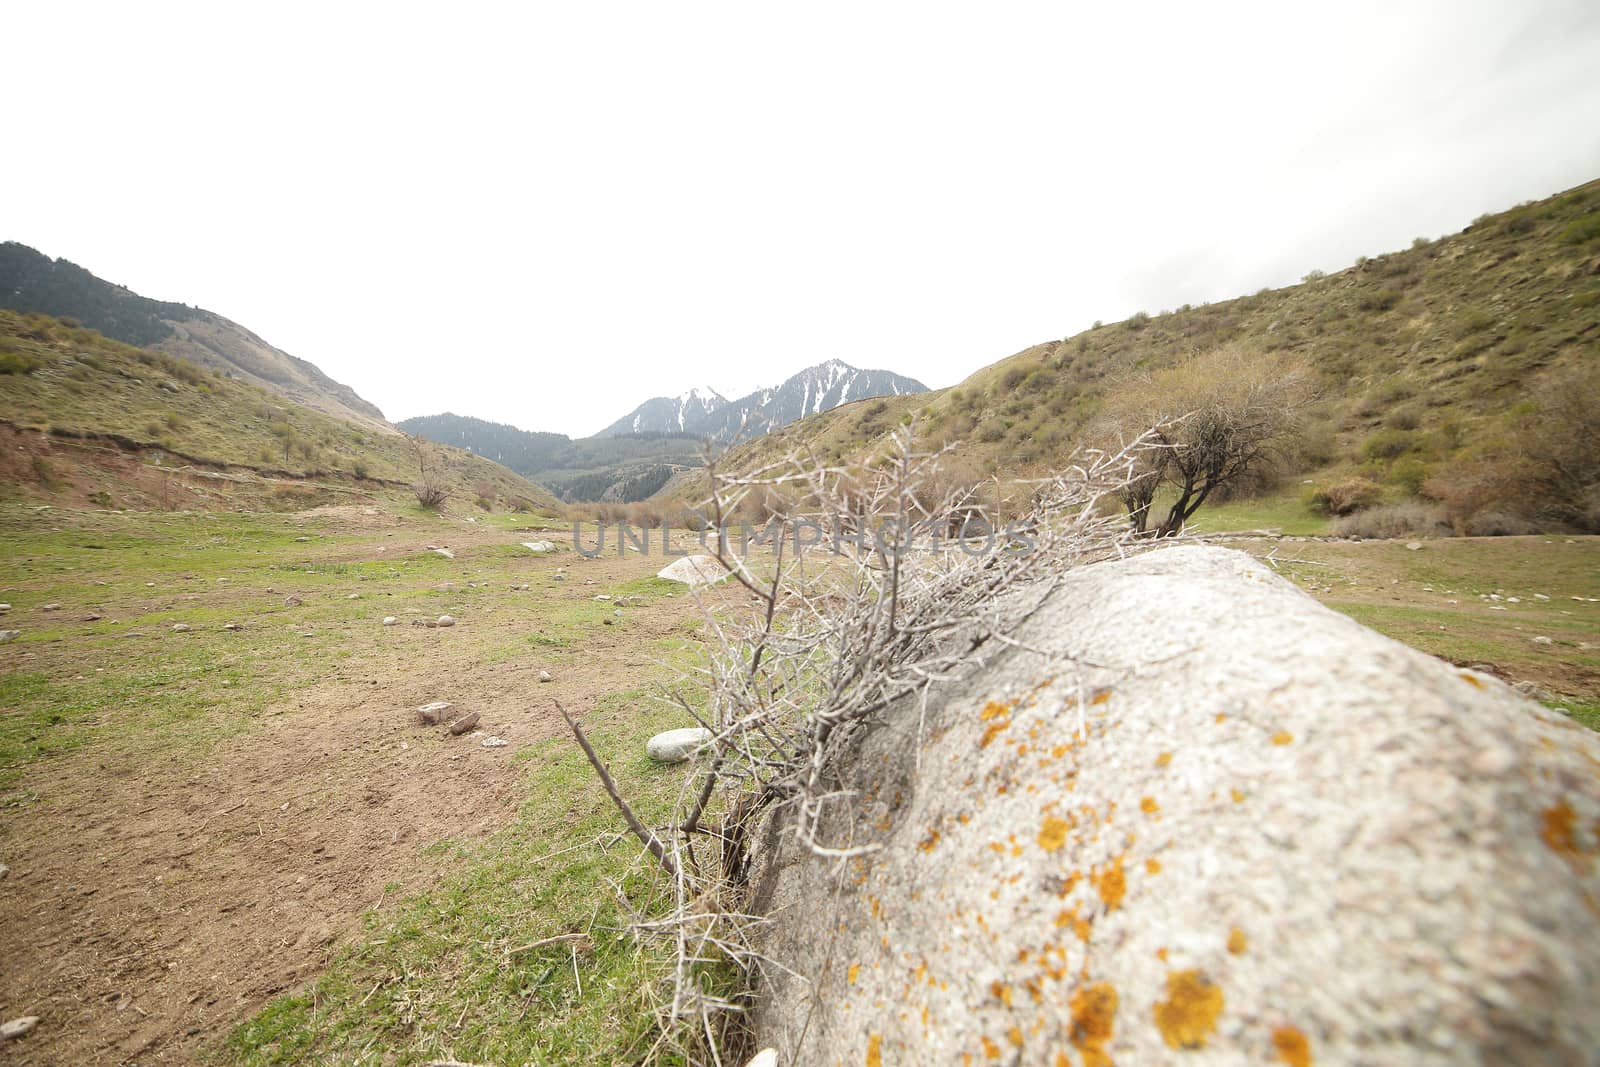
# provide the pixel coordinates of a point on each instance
(239, 845)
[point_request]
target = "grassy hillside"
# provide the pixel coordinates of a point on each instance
(72, 384)
(32, 282)
(1425, 357)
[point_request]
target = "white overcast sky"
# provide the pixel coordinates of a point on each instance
(544, 214)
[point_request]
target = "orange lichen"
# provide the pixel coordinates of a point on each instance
(1111, 883)
(1163, 759)
(1161, 954)
(1101, 697)
(1053, 834)
(1188, 1017)
(1292, 1046)
(1080, 926)
(1222, 716)
(1471, 680)
(991, 1051)
(874, 1050)
(852, 973)
(1014, 1035)
(1148, 805)
(1560, 834)
(1237, 941)
(994, 710)
(992, 731)
(1152, 866)
(1001, 992)
(929, 842)
(1238, 796)
(1094, 1011)
(1283, 737)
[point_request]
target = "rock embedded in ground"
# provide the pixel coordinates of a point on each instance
(434, 713)
(291, 601)
(8, 636)
(544, 676)
(49, 607)
(495, 742)
(445, 552)
(390, 620)
(232, 627)
(539, 546)
(676, 746)
(694, 571)
(445, 620)
(181, 627)
(1276, 836)
(465, 723)
(17, 1027)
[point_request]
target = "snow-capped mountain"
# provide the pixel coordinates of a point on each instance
(685, 413)
(705, 413)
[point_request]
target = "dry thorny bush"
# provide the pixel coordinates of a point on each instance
(805, 643)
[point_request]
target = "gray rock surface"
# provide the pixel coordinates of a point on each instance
(1276, 837)
(694, 571)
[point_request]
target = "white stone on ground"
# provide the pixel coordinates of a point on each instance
(694, 571)
(675, 746)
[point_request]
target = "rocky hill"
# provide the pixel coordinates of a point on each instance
(32, 282)
(703, 412)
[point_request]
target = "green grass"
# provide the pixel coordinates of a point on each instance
(437, 976)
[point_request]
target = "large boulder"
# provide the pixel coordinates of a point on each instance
(1204, 820)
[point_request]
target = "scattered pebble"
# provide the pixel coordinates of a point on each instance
(1543, 641)
(17, 1027)
(291, 601)
(603, 596)
(465, 723)
(353, 596)
(93, 616)
(675, 746)
(445, 620)
(1413, 545)
(301, 540)
(1540, 596)
(4, 870)
(390, 620)
(181, 627)
(232, 627)
(445, 552)
(544, 676)
(50, 607)
(5, 607)
(495, 742)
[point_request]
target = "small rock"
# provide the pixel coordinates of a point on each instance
(4, 870)
(495, 742)
(5, 607)
(544, 676)
(1543, 641)
(50, 607)
(232, 627)
(93, 616)
(390, 620)
(1540, 596)
(465, 723)
(8, 636)
(1413, 545)
(603, 596)
(301, 540)
(539, 546)
(353, 596)
(1513, 600)
(434, 713)
(17, 1027)
(181, 627)
(675, 746)
(445, 552)
(767, 1057)
(558, 577)
(445, 620)
(523, 588)
(291, 601)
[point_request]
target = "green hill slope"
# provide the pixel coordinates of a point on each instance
(1425, 357)
(70, 383)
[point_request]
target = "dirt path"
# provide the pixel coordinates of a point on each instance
(152, 905)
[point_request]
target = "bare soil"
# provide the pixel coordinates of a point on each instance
(151, 906)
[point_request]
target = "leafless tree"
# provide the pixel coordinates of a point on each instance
(430, 490)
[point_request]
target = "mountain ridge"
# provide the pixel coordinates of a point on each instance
(809, 391)
(32, 282)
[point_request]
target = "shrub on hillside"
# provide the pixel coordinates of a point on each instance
(1387, 444)
(1343, 498)
(1395, 520)
(17, 363)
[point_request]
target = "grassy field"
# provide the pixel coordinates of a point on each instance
(275, 864)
